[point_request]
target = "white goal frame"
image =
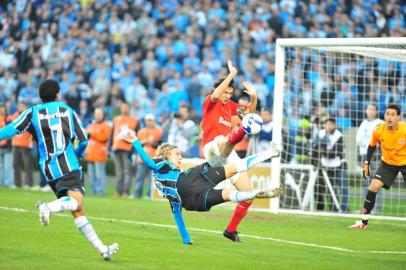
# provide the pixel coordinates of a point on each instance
(283, 43)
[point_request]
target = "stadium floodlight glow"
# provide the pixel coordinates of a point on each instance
(335, 77)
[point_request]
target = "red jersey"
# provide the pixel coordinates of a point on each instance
(216, 118)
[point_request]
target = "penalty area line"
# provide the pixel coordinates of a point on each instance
(257, 237)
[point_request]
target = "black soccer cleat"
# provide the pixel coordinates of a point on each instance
(233, 236)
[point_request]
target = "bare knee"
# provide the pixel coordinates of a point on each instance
(243, 182)
(225, 193)
(224, 147)
(79, 198)
(375, 185)
(78, 213)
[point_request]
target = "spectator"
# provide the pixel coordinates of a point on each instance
(97, 152)
(85, 113)
(332, 161)
(122, 149)
(181, 130)
(363, 138)
(22, 157)
(6, 169)
(149, 137)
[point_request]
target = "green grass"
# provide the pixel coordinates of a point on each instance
(25, 244)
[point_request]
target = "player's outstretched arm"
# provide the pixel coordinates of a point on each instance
(177, 214)
(143, 155)
(223, 86)
(8, 131)
(252, 92)
(80, 134)
(18, 126)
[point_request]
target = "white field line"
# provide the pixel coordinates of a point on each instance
(257, 237)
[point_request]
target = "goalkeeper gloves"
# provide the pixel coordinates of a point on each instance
(366, 171)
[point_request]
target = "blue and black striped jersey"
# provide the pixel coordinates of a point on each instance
(54, 126)
(165, 174)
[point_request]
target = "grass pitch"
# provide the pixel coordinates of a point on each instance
(148, 239)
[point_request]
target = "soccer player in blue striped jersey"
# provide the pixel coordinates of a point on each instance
(193, 189)
(55, 127)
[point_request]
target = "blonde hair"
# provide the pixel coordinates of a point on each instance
(163, 150)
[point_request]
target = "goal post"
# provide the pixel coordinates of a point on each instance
(335, 78)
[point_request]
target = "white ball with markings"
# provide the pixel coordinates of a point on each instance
(252, 123)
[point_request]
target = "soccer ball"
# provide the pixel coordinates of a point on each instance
(252, 123)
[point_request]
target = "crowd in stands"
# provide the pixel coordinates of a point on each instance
(162, 57)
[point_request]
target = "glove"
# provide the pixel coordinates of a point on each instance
(366, 171)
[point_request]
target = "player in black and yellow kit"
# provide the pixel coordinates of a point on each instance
(391, 136)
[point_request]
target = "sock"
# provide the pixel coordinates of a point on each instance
(236, 136)
(250, 161)
(88, 232)
(241, 196)
(63, 204)
(369, 204)
(364, 219)
(240, 212)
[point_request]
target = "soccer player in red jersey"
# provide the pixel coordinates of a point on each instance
(219, 139)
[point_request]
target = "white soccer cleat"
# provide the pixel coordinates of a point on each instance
(359, 225)
(111, 250)
(273, 193)
(44, 213)
(274, 149)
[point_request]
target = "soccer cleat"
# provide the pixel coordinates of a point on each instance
(44, 213)
(273, 193)
(111, 250)
(233, 236)
(274, 149)
(359, 225)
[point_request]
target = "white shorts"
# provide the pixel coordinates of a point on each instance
(211, 152)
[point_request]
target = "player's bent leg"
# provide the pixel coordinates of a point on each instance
(87, 230)
(369, 204)
(242, 183)
(250, 161)
(225, 147)
(375, 185)
(211, 152)
(65, 203)
(243, 196)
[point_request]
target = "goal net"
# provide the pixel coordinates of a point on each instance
(325, 83)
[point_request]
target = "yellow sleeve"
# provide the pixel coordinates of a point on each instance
(375, 137)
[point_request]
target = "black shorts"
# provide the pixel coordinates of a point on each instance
(195, 187)
(72, 181)
(387, 174)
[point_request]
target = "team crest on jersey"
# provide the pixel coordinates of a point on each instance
(401, 141)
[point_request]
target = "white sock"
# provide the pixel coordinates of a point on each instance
(241, 196)
(250, 161)
(364, 216)
(63, 204)
(88, 232)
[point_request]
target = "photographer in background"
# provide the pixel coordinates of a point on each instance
(180, 129)
(329, 146)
